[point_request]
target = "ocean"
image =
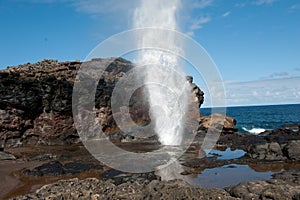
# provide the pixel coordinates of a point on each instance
(257, 119)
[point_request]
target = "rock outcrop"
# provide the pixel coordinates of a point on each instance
(36, 101)
(275, 151)
(267, 151)
(218, 121)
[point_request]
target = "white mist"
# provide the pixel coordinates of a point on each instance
(168, 101)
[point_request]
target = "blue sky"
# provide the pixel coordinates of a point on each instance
(254, 43)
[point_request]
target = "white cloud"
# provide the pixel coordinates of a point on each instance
(97, 7)
(226, 14)
(240, 5)
(261, 92)
(45, 1)
(279, 75)
(201, 4)
(297, 69)
(262, 2)
(197, 24)
(273, 91)
(295, 7)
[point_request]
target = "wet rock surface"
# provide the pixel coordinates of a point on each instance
(35, 111)
(55, 168)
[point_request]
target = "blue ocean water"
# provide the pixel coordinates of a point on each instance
(255, 119)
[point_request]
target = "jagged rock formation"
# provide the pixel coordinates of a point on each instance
(35, 101)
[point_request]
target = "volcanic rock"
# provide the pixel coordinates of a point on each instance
(55, 168)
(275, 151)
(36, 101)
(292, 150)
(93, 188)
(282, 186)
(267, 151)
(283, 134)
(118, 177)
(218, 121)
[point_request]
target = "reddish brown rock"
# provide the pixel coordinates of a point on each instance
(218, 121)
(36, 101)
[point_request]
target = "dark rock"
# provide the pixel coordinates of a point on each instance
(266, 151)
(74, 168)
(292, 150)
(290, 129)
(36, 101)
(197, 92)
(291, 178)
(55, 168)
(117, 177)
(52, 168)
(282, 186)
(240, 141)
(283, 134)
(275, 151)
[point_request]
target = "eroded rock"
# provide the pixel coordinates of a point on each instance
(36, 100)
(267, 151)
(282, 186)
(218, 121)
(292, 150)
(93, 188)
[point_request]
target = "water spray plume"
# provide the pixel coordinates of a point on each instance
(167, 104)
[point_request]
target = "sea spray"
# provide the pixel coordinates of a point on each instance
(168, 101)
(255, 131)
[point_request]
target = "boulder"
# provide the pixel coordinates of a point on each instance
(218, 121)
(266, 151)
(292, 150)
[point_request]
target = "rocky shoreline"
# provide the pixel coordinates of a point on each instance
(42, 157)
(281, 186)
